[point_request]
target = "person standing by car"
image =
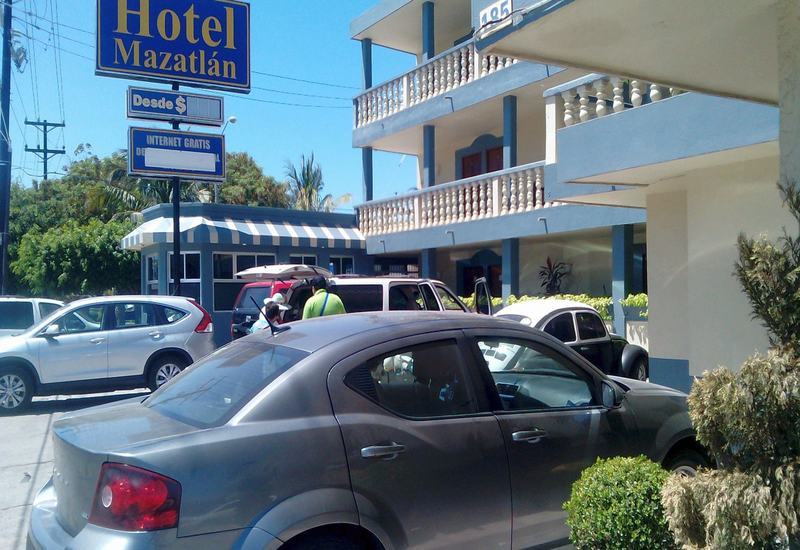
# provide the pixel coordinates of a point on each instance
(322, 303)
(273, 307)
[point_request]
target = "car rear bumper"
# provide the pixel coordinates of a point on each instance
(45, 533)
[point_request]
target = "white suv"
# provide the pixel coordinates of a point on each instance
(20, 314)
(104, 344)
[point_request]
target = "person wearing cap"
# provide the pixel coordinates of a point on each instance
(274, 307)
(322, 303)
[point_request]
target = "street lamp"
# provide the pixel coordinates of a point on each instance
(231, 120)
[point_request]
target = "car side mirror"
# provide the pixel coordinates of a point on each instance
(612, 397)
(51, 330)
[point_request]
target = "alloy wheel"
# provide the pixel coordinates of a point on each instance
(685, 470)
(166, 373)
(12, 391)
(641, 372)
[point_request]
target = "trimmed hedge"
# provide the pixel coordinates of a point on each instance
(616, 504)
(601, 303)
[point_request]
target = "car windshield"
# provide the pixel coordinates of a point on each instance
(257, 293)
(211, 391)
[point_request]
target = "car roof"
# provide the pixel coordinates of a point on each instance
(380, 280)
(24, 299)
(170, 300)
(350, 329)
(536, 310)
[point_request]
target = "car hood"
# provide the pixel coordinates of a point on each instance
(12, 342)
(637, 387)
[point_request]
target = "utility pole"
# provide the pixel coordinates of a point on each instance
(44, 153)
(5, 146)
(177, 265)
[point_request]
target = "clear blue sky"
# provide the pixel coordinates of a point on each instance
(305, 39)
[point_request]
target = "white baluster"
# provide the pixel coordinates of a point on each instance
(600, 93)
(465, 65)
(529, 190)
(484, 65)
(475, 202)
(619, 91)
(636, 92)
(448, 68)
(584, 92)
(512, 192)
(470, 63)
(569, 107)
(482, 199)
(492, 63)
(655, 92)
(509, 61)
(503, 195)
(539, 188)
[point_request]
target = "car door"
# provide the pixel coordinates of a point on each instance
(134, 336)
(553, 426)
(79, 351)
(594, 343)
(426, 456)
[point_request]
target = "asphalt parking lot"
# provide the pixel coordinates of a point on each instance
(26, 458)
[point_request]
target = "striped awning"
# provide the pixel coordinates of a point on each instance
(200, 229)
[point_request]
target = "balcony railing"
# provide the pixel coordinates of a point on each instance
(493, 195)
(447, 71)
(596, 96)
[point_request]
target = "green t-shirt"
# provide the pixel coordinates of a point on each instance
(314, 305)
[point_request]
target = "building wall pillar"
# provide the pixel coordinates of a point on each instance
(428, 31)
(427, 264)
(428, 156)
(207, 277)
(509, 131)
(510, 277)
(788, 13)
(366, 61)
(621, 271)
(367, 170)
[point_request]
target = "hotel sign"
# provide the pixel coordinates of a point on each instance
(172, 153)
(204, 43)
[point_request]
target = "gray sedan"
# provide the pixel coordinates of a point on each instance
(390, 430)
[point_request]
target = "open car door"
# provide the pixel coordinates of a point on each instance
(483, 297)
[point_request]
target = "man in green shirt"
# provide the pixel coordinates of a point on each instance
(322, 303)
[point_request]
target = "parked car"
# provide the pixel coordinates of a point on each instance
(19, 314)
(358, 431)
(245, 312)
(581, 328)
(103, 344)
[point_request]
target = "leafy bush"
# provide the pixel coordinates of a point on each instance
(638, 301)
(470, 302)
(616, 504)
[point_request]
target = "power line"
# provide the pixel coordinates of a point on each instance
(317, 82)
(301, 94)
(259, 100)
(58, 23)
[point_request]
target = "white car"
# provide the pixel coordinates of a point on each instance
(20, 314)
(104, 344)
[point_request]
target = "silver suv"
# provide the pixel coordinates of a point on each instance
(20, 314)
(103, 344)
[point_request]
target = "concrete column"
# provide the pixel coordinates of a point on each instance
(621, 271)
(163, 270)
(788, 12)
(509, 131)
(366, 60)
(428, 156)
(366, 168)
(427, 267)
(428, 40)
(510, 268)
(207, 278)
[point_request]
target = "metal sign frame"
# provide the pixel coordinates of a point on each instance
(156, 173)
(183, 119)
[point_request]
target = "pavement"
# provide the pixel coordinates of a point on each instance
(26, 458)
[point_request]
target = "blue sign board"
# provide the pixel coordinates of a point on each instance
(149, 104)
(203, 43)
(172, 153)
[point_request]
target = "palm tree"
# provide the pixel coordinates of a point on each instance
(306, 185)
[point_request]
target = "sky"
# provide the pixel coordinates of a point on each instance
(294, 39)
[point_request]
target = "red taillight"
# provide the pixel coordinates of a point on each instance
(132, 499)
(206, 324)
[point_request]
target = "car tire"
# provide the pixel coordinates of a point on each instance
(639, 370)
(16, 390)
(164, 369)
(686, 462)
(330, 541)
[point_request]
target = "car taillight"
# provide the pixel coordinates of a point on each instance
(132, 499)
(206, 324)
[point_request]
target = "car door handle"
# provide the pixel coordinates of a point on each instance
(584, 348)
(387, 452)
(97, 340)
(156, 334)
(529, 436)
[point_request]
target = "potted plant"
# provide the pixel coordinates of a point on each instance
(552, 275)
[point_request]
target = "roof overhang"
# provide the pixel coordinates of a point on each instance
(722, 47)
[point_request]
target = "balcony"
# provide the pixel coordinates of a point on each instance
(447, 71)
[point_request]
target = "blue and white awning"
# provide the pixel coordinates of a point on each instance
(200, 229)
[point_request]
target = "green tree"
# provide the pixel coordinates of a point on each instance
(750, 420)
(306, 186)
(246, 184)
(78, 259)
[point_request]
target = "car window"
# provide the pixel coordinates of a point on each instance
(172, 315)
(297, 301)
(562, 327)
(429, 297)
(357, 298)
(590, 326)
(46, 309)
(85, 319)
(532, 378)
(213, 390)
(449, 301)
(16, 315)
(257, 293)
(422, 381)
(133, 316)
(405, 297)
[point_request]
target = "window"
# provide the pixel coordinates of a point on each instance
(303, 260)
(152, 269)
(226, 284)
(254, 293)
(214, 389)
(172, 315)
(562, 327)
(494, 159)
(342, 265)
(46, 309)
(85, 319)
(16, 315)
(133, 316)
(188, 267)
(429, 296)
(529, 379)
(223, 266)
(406, 297)
(357, 298)
(590, 326)
(449, 302)
(420, 382)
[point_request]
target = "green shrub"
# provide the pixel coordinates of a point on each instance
(638, 301)
(616, 504)
(601, 303)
